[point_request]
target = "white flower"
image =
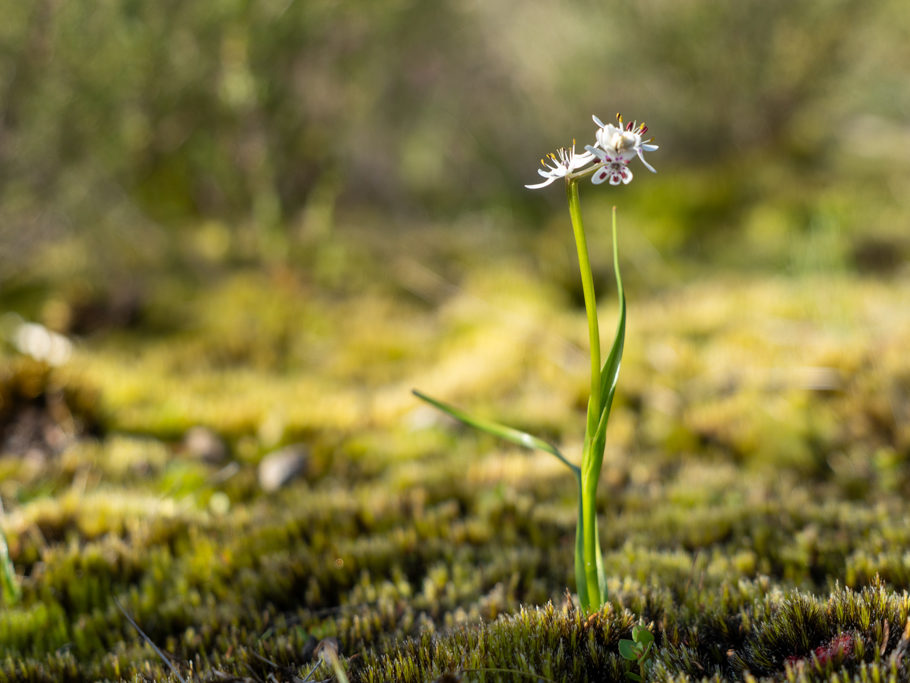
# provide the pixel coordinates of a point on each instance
(562, 164)
(615, 168)
(621, 143)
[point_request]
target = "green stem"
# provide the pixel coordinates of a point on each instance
(589, 531)
(581, 580)
(587, 286)
(590, 597)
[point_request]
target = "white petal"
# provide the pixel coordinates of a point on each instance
(548, 181)
(598, 153)
(627, 176)
(600, 176)
(598, 121)
(647, 165)
(649, 147)
(582, 160)
(615, 179)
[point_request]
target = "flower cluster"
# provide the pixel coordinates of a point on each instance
(608, 158)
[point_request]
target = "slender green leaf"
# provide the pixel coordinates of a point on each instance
(608, 380)
(610, 373)
(632, 676)
(511, 434)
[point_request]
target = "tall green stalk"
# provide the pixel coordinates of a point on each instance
(587, 286)
(590, 462)
(589, 568)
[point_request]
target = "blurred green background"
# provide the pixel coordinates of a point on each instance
(271, 219)
(139, 135)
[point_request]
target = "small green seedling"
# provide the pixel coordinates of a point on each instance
(637, 650)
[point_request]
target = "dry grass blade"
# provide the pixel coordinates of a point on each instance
(148, 640)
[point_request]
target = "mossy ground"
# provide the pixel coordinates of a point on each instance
(753, 503)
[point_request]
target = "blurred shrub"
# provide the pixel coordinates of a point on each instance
(122, 119)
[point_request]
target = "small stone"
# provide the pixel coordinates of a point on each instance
(204, 444)
(282, 466)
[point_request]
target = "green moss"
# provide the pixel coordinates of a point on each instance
(752, 506)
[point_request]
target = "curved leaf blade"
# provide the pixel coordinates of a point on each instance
(610, 373)
(510, 434)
